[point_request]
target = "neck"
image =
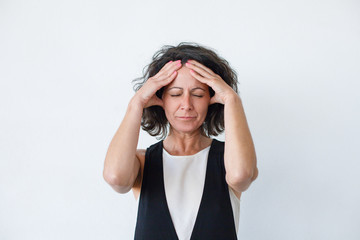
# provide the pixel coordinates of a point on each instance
(178, 143)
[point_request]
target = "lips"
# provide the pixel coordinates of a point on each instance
(186, 117)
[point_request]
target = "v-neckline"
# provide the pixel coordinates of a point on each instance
(165, 203)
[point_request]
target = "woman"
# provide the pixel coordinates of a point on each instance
(188, 184)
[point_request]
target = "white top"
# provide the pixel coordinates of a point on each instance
(184, 178)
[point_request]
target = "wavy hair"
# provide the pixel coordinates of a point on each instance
(153, 119)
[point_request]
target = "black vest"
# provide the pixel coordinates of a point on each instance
(214, 221)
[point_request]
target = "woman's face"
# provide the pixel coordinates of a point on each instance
(186, 102)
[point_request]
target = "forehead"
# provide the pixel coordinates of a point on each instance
(184, 79)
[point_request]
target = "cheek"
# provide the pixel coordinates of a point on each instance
(168, 104)
(169, 108)
(205, 110)
(203, 106)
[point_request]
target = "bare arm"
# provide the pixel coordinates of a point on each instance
(239, 156)
(121, 165)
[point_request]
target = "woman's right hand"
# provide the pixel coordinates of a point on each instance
(146, 95)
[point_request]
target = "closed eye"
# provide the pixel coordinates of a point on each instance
(177, 95)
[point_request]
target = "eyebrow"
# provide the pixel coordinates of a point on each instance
(196, 88)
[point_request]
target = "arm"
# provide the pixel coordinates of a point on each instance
(239, 156)
(122, 166)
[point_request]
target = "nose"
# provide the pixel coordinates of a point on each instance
(186, 103)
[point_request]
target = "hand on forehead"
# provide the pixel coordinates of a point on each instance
(185, 80)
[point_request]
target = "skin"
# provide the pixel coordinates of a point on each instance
(185, 102)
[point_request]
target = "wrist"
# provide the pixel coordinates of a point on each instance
(232, 98)
(136, 104)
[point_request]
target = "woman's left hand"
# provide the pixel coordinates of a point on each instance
(205, 75)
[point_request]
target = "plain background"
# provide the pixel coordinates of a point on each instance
(66, 69)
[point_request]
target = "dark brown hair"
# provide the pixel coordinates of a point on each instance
(153, 119)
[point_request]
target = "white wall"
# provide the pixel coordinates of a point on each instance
(66, 69)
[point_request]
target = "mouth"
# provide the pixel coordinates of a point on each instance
(186, 118)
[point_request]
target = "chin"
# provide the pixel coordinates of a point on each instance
(186, 128)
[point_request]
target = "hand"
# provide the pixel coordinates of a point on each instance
(146, 95)
(205, 75)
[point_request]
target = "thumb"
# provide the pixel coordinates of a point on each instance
(213, 100)
(155, 101)
(159, 102)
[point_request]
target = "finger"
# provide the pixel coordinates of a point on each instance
(171, 78)
(153, 84)
(195, 63)
(159, 84)
(201, 78)
(168, 73)
(199, 70)
(163, 68)
(169, 67)
(166, 80)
